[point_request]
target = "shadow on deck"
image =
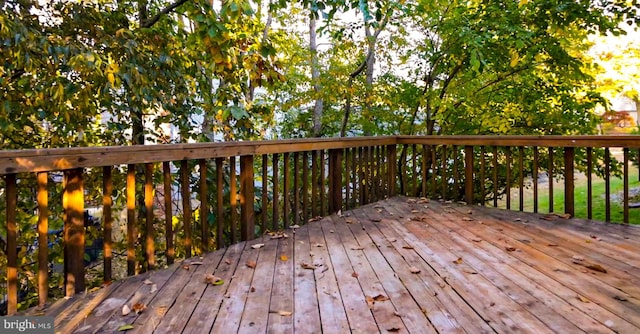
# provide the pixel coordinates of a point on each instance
(399, 265)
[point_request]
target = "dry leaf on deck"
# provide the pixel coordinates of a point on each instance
(407, 247)
(316, 218)
(319, 245)
(467, 219)
(154, 288)
(375, 220)
(125, 328)
(214, 280)
(348, 221)
(285, 313)
(227, 261)
(185, 267)
(397, 314)
(370, 302)
(564, 215)
(553, 245)
(583, 299)
(354, 274)
(476, 240)
(139, 308)
(393, 329)
(251, 264)
(458, 261)
(125, 310)
(256, 246)
(147, 282)
(339, 213)
(510, 248)
(196, 263)
(414, 270)
(415, 211)
(357, 248)
(283, 257)
(596, 267)
(307, 266)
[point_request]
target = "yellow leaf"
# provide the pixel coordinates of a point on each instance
(283, 257)
(111, 78)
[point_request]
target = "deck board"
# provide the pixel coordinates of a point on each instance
(482, 270)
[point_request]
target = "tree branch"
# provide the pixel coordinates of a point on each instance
(150, 22)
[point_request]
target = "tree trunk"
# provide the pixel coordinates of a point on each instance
(315, 78)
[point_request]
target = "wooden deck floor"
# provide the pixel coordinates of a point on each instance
(400, 265)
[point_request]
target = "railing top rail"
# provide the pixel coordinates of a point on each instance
(40, 160)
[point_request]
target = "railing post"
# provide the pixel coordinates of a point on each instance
(73, 203)
(468, 174)
(391, 170)
(247, 214)
(569, 157)
(335, 180)
(11, 197)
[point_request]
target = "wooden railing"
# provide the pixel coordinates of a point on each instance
(297, 181)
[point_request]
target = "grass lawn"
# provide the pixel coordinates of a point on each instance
(598, 198)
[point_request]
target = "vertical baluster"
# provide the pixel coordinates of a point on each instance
(379, 162)
(168, 211)
(335, 180)
(456, 176)
(391, 169)
(204, 205)
(220, 203)
(148, 204)
(521, 179)
(305, 187)
(589, 183)
(296, 188)
(107, 218)
(607, 184)
(314, 184)
(186, 206)
(535, 179)
(323, 194)
(276, 192)
(468, 174)
(444, 172)
(285, 191)
(73, 199)
(131, 219)
(482, 174)
(425, 175)
(347, 177)
(550, 177)
(414, 170)
(495, 176)
(265, 199)
(11, 198)
(625, 177)
(356, 177)
(569, 189)
(434, 172)
(247, 195)
(233, 191)
(508, 184)
(43, 235)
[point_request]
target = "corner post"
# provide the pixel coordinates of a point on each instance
(73, 203)
(468, 174)
(569, 157)
(391, 170)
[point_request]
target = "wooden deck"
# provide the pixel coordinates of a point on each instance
(400, 265)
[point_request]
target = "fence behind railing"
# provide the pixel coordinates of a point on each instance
(183, 200)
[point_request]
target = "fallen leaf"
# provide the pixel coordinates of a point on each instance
(380, 298)
(375, 220)
(518, 219)
(393, 240)
(196, 263)
(407, 247)
(316, 218)
(185, 267)
(339, 213)
(354, 274)
(153, 289)
(414, 270)
(307, 266)
(285, 313)
(214, 280)
(370, 302)
(596, 267)
(253, 289)
(257, 246)
(476, 240)
(125, 310)
(583, 299)
(147, 282)
(548, 217)
(577, 258)
(283, 257)
(467, 219)
(510, 248)
(564, 216)
(139, 308)
(348, 221)
(620, 298)
(596, 238)
(469, 271)
(397, 314)
(319, 245)
(415, 211)
(553, 245)
(251, 264)
(227, 261)
(125, 328)
(357, 248)
(458, 261)
(393, 330)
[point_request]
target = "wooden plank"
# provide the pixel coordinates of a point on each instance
(255, 315)
(564, 273)
(555, 296)
(282, 300)
(206, 312)
(387, 315)
(178, 315)
(502, 313)
(332, 312)
(431, 288)
(230, 312)
(358, 313)
(306, 314)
